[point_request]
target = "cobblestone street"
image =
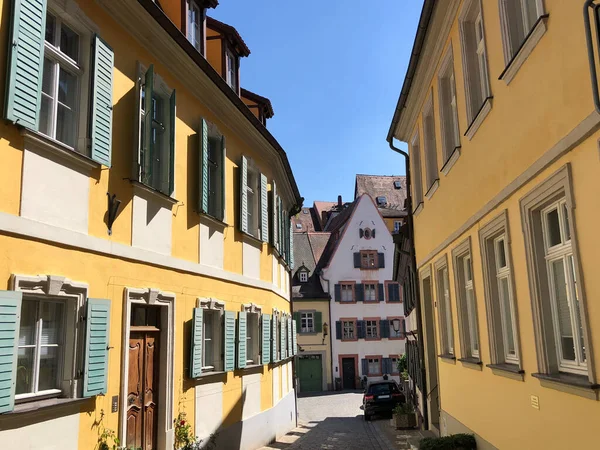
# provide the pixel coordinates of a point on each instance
(335, 421)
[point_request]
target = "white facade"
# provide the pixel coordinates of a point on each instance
(341, 269)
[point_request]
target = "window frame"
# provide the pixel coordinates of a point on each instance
(375, 297)
(395, 370)
(444, 307)
(557, 186)
(448, 108)
(376, 321)
(353, 321)
(417, 184)
(230, 56)
(310, 315)
(468, 319)
(303, 276)
(352, 287)
(369, 254)
(379, 358)
(202, 25)
(216, 309)
(432, 176)
(512, 45)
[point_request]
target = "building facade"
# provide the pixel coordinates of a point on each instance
(171, 300)
(502, 123)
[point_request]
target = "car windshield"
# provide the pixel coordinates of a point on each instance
(383, 389)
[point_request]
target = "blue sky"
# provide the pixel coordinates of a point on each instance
(333, 71)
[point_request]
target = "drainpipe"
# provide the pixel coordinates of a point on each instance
(589, 4)
(331, 331)
(413, 264)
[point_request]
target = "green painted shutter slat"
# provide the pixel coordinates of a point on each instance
(361, 331)
(244, 195)
(280, 225)
(25, 63)
(337, 292)
(241, 340)
(356, 260)
(338, 330)
(275, 224)
(294, 338)
(203, 188)
(387, 365)
(148, 147)
(381, 257)
(291, 240)
(381, 293)
(290, 351)
(266, 339)
(222, 168)
(282, 336)
(95, 372)
(172, 119)
(196, 344)
(384, 327)
(274, 339)
(10, 321)
(318, 322)
(296, 316)
(264, 209)
(359, 292)
(229, 338)
(102, 107)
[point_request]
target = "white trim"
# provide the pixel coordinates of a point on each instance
(43, 144)
(434, 187)
(415, 153)
(478, 120)
(150, 296)
(20, 226)
(418, 209)
(451, 161)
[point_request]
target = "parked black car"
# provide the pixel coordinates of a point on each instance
(381, 397)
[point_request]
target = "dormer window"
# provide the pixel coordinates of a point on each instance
(195, 25)
(231, 70)
(299, 226)
(381, 201)
(303, 277)
(397, 184)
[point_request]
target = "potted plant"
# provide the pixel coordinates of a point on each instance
(404, 416)
(453, 442)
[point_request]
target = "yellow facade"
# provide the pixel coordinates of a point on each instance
(539, 123)
(110, 264)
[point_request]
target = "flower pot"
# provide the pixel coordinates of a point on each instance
(405, 421)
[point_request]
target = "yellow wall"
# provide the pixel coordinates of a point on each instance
(389, 222)
(317, 342)
(214, 52)
(547, 99)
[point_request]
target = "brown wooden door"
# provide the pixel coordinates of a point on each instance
(142, 394)
(348, 373)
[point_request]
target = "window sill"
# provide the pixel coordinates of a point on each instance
(22, 408)
(479, 118)
(529, 43)
(507, 370)
(448, 357)
(451, 161)
(569, 383)
(471, 363)
(434, 187)
(210, 374)
(418, 209)
(150, 190)
(37, 141)
(252, 239)
(213, 220)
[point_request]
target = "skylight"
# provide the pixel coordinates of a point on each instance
(397, 184)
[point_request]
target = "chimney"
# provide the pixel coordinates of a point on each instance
(339, 201)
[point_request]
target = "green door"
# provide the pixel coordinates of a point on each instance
(310, 373)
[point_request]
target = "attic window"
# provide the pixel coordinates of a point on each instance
(303, 277)
(397, 184)
(299, 226)
(305, 211)
(381, 201)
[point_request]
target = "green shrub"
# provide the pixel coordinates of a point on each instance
(454, 442)
(404, 408)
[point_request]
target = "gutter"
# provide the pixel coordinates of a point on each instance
(424, 20)
(170, 28)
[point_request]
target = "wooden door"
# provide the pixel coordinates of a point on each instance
(348, 373)
(142, 393)
(310, 373)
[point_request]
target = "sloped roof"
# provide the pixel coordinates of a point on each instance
(304, 256)
(305, 218)
(383, 186)
(318, 242)
(230, 32)
(259, 99)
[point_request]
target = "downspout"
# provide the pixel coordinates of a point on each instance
(590, 46)
(413, 264)
(331, 329)
(294, 358)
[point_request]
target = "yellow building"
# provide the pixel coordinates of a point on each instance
(499, 116)
(311, 313)
(168, 305)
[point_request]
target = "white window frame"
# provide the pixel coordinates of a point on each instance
(217, 309)
(444, 302)
(254, 200)
(397, 225)
(504, 273)
(448, 111)
(431, 161)
(373, 363)
(253, 334)
(372, 292)
(231, 73)
(346, 288)
(371, 326)
(513, 39)
(199, 43)
(307, 322)
(349, 331)
(303, 276)
(417, 184)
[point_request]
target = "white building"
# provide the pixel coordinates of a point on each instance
(366, 308)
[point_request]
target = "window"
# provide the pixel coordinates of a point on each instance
(298, 226)
(372, 328)
(518, 19)
(41, 346)
(303, 277)
(431, 165)
(448, 108)
(466, 297)
(276, 336)
(254, 206)
(474, 57)
(231, 68)
(213, 155)
(61, 82)
(415, 153)
(347, 292)
(557, 296)
(507, 313)
(253, 339)
(195, 25)
(307, 322)
(368, 259)
(370, 292)
(444, 308)
(374, 366)
(211, 340)
(397, 225)
(367, 233)
(397, 184)
(348, 329)
(394, 361)
(381, 201)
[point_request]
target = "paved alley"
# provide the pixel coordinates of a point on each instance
(335, 421)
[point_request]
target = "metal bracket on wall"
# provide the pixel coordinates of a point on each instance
(595, 8)
(113, 207)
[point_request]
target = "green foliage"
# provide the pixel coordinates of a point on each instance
(453, 442)
(402, 364)
(404, 408)
(107, 438)
(185, 438)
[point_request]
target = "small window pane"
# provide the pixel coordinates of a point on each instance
(51, 314)
(507, 317)
(25, 371)
(472, 322)
(69, 42)
(567, 226)
(563, 312)
(28, 325)
(577, 308)
(501, 254)
(553, 224)
(50, 29)
(48, 368)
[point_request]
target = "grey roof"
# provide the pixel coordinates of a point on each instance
(304, 257)
(383, 186)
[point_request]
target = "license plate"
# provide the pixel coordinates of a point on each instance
(384, 396)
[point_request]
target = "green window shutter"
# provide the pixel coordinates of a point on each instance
(381, 257)
(296, 316)
(275, 221)
(229, 338)
(274, 339)
(384, 328)
(244, 195)
(337, 292)
(280, 225)
(381, 293)
(294, 338)
(387, 365)
(291, 246)
(173, 119)
(264, 209)
(241, 340)
(203, 188)
(148, 144)
(282, 335)
(266, 339)
(357, 260)
(102, 107)
(10, 320)
(222, 168)
(338, 330)
(318, 322)
(359, 292)
(25, 65)
(196, 344)
(95, 373)
(290, 351)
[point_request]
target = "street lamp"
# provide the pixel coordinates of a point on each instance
(396, 325)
